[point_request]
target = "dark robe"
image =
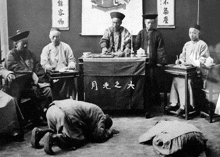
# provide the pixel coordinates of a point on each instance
(23, 86)
(157, 55)
(77, 122)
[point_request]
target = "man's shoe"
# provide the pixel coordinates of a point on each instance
(49, 143)
(180, 112)
(148, 115)
(191, 109)
(171, 108)
(36, 136)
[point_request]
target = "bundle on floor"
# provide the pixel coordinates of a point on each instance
(175, 138)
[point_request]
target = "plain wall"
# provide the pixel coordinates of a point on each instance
(35, 16)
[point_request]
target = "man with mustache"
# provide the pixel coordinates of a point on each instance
(116, 39)
(21, 60)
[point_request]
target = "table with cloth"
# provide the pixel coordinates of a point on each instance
(114, 83)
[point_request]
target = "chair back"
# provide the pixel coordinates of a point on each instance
(213, 76)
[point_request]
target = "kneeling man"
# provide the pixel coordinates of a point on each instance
(73, 123)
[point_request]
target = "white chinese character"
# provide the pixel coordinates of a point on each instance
(94, 85)
(130, 85)
(117, 85)
(105, 85)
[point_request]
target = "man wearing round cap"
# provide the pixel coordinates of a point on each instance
(196, 53)
(21, 60)
(72, 123)
(151, 40)
(116, 39)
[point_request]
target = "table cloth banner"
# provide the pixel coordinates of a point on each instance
(115, 83)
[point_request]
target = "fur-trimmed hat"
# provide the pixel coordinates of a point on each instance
(117, 15)
(150, 16)
(19, 36)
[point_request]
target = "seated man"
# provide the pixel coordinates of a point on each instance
(71, 124)
(116, 39)
(59, 56)
(195, 53)
(9, 110)
(21, 60)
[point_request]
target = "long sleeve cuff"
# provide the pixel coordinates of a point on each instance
(6, 73)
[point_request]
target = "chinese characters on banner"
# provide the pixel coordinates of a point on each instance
(107, 86)
(60, 14)
(165, 9)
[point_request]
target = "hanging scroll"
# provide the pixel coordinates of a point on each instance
(165, 9)
(60, 14)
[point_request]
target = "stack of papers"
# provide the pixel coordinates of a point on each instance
(65, 70)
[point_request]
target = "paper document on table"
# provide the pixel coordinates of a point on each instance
(42, 85)
(102, 56)
(182, 66)
(66, 70)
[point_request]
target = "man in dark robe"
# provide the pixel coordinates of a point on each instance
(23, 62)
(71, 124)
(151, 40)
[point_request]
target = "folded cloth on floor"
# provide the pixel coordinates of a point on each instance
(175, 138)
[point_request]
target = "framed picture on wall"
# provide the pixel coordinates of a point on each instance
(60, 14)
(96, 15)
(166, 14)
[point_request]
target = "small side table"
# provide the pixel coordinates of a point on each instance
(186, 71)
(53, 75)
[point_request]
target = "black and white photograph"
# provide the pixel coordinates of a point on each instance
(110, 78)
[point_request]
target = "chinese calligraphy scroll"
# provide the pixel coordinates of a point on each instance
(60, 14)
(165, 9)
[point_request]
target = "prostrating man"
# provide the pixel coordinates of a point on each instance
(196, 53)
(116, 39)
(59, 56)
(9, 110)
(21, 60)
(151, 40)
(73, 123)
